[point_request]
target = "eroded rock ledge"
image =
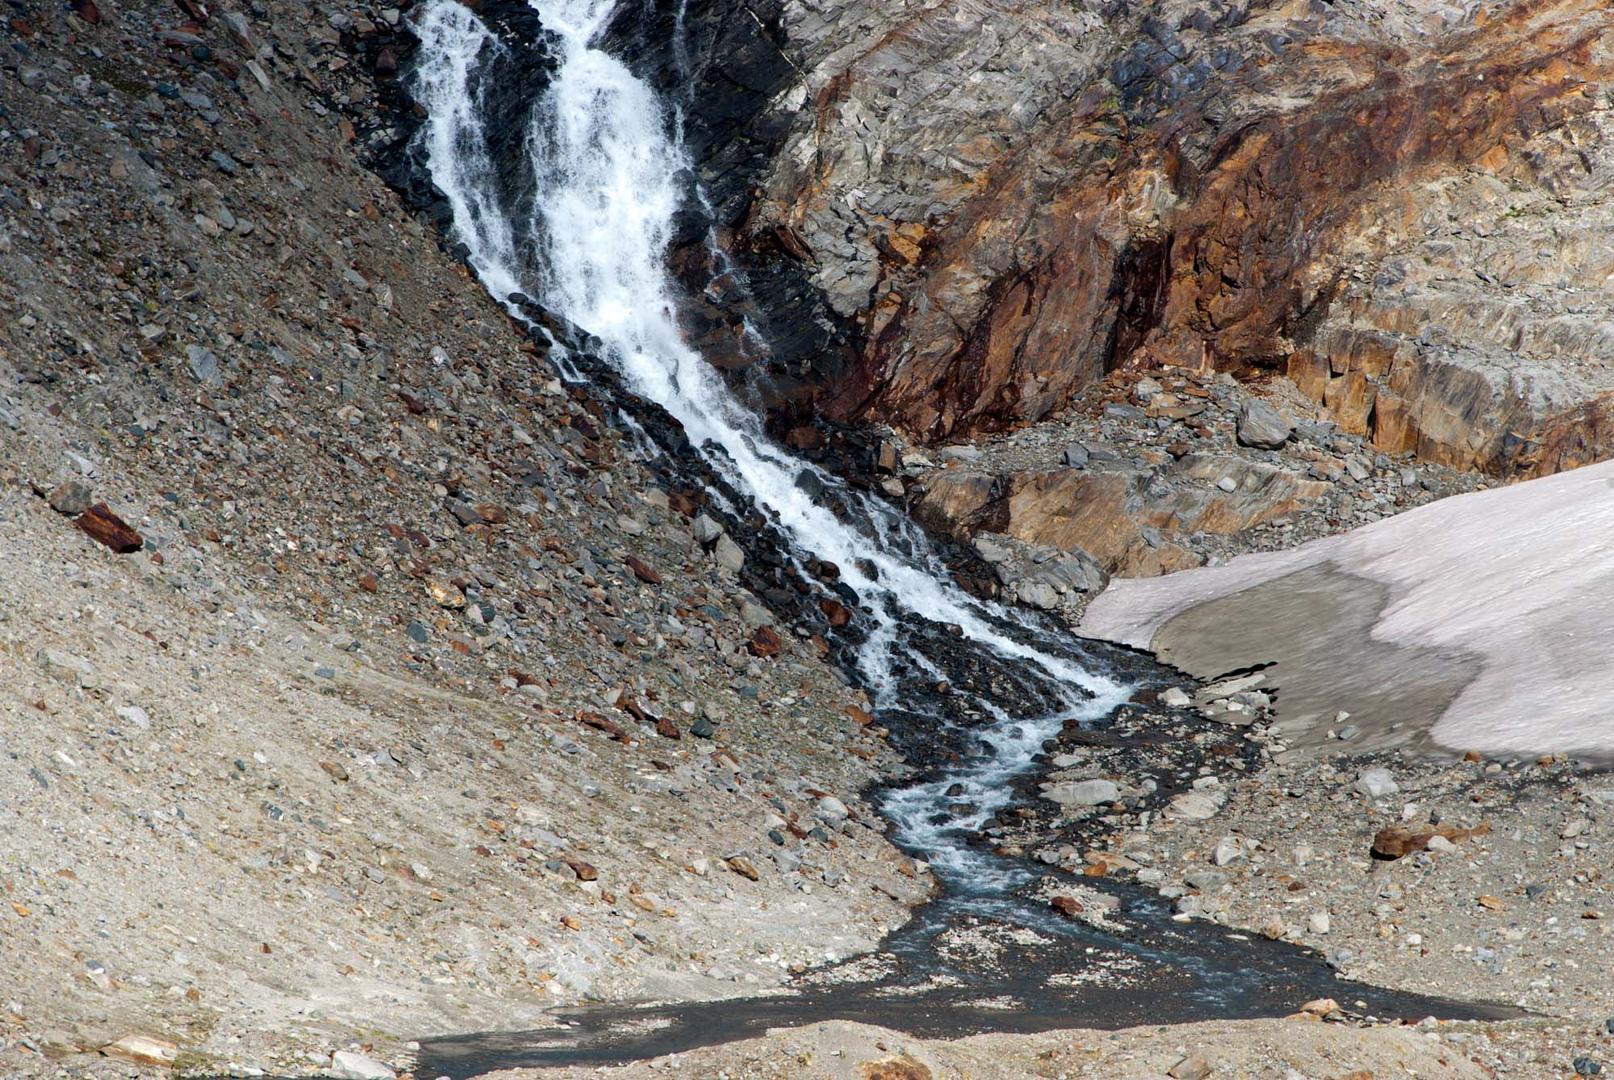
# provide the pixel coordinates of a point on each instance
(997, 201)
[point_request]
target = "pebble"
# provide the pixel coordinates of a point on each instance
(1194, 805)
(831, 810)
(134, 714)
(1228, 849)
(348, 1065)
(1081, 792)
(204, 365)
(1192, 1067)
(1377, 783)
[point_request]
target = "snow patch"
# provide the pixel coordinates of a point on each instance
(1522, 576)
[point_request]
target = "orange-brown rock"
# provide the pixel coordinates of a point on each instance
(1068, 906)
(744, 867)
(894, 1068)
(642, 570)
(765, 642)
(959, 503)
(1398, 841)
(837, 613)
(600, 723)
(1096, 512)
(1120, 518)
(1165, 185)
(105, 527)
(1458, 410)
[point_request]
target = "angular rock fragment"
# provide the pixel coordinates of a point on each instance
(765, 642)
(600, 723)
(743, 866)
(105, 527)
(351, 1066)
(71, 497)
(1262, 426)
(642, 570)
(1068, 906)
(143, 1050)
(1081, 792)
(1398, 841)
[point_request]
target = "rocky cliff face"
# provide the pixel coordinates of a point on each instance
(998, 202)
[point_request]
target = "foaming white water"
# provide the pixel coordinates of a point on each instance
(456, 45)
(608, 167)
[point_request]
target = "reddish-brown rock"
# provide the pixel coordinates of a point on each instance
(102, 525)
(600, 723)
(1398, 841)
(642, 570)
(836, 612)
(765, 642)
(1068, 906)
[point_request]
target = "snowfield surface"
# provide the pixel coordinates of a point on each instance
(1521, 577)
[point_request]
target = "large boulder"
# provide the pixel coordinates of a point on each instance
(1262, 426)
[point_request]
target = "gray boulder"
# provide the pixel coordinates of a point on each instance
(1262, 426)
(1081, 792)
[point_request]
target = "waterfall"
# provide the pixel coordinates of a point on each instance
(609, 176)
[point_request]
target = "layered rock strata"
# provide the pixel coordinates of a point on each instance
(1000, 200)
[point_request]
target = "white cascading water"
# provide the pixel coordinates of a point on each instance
(607, 165)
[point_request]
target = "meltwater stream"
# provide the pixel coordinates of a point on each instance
(585, 229)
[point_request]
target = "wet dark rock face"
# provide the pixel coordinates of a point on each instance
(720, 64)
(723, 64)
(511, 80)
